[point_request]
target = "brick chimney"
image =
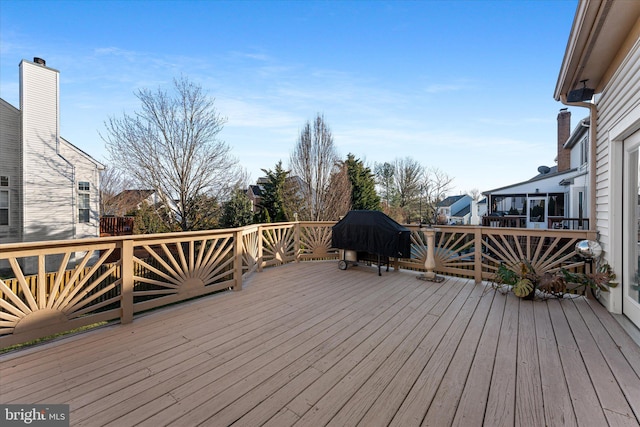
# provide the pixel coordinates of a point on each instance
(564, 131)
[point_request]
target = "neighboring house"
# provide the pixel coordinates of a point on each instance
(478, 210)
(455, 210)
(603, 58)
(254, 193)
(118, 211)
(49, 189)
(129, 201)
(557, 197)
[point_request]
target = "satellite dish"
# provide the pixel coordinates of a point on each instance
(544, 170)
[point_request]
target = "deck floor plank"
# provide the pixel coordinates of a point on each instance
(442, 410)
(309, 345)
(529, 401)
(583, 396)
(612, 400)
(500, 410)
(473, 401)
(558, 409)
(385, 407)
(627, 378)
(418, 400)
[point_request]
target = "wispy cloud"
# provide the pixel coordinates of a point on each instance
(440, 88)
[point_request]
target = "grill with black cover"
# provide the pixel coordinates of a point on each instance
(371, 234)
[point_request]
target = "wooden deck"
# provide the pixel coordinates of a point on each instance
(307, 344)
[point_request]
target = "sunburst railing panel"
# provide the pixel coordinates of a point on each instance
(545, 250)
(174, 269)
(251, 252)
(278, 244)
(45, 289)
(315, 241)
(454, 250)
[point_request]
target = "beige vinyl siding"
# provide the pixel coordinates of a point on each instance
(10, 158)
(48, 178)
(615, 109)
(86, 170)
(620, 95)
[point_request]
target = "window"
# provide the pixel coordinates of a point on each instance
(4, 207)
(584, 150)
(4, 200)
(83, 201)
(556, 204)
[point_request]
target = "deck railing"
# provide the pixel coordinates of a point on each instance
(116, 225)
(52, 287)
(520, 221)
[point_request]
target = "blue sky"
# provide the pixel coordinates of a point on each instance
(464, 86)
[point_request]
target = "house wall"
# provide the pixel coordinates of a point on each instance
(618, 109)
(48, 178)
(458, 205)
(85, 171)
(579, 152)
(10, 159)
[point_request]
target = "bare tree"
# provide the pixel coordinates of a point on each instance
(435, 185)
(384, 178)
(408, 177)
(338, 195)
(314, 160)
(475, 194)
(171, 145)
(112, 182)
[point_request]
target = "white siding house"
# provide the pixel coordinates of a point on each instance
(455, 210)
(50, 186)
(557, 197)
(603, 54)
(10, 174)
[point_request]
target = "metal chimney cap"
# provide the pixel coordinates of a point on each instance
(39, 61)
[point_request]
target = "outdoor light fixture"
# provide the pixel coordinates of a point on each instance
(582, 94)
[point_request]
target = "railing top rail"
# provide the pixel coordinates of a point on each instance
(77, 244)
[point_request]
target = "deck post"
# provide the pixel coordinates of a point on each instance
(126, 261)
(477, 255)
(237, 259)
(296, 241)
(260, 243)
(430, 259)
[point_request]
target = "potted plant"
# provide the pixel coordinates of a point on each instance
(520, 277)
(523, 280)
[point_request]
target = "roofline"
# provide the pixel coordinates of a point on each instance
(88, 156)
(602, 34)
(534, 179)
(579, 131)
(8, 104)
(39, 65)
(572, 47)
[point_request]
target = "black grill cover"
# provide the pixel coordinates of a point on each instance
(373, 232)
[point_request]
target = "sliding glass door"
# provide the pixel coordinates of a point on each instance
(631, 236)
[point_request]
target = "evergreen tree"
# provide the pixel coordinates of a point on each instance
(237, 211)
(148, 220)
(273, 195)
(363, 186)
